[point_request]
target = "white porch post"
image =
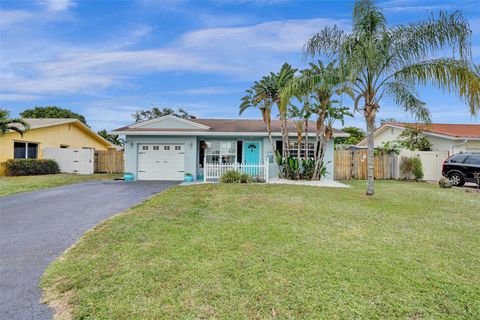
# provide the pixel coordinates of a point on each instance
(267, 169)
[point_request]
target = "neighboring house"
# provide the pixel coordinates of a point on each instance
(166, 148)
(452, 138)
(49, 133)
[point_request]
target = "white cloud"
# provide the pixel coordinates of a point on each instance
(9, 17)
(57, 5)
(242, 52)
(7, 97)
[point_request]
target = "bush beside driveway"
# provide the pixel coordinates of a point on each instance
(264, 251)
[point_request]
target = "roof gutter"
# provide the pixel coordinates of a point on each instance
(457, 145)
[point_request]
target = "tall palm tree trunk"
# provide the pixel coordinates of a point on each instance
(370, 120)
(306, 139)
(320, 149)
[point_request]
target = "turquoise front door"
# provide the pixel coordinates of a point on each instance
(251, 152)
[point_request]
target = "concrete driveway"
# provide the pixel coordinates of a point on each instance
(36, 227)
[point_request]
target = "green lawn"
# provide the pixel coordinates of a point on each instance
(271, 251)
(12, 185)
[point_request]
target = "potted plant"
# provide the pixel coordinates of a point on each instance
(188, 177)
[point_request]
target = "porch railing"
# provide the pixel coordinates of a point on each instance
(213, 171)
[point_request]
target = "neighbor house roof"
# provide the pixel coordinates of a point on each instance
(50, 122)
(214, 126)
(444, 130)
(448, 129)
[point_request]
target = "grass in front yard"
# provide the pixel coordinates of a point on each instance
(273, 251)
(12, 185)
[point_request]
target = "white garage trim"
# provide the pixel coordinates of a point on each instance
(161, 161)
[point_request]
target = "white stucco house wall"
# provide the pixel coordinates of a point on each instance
(452, 138)
(167, 148)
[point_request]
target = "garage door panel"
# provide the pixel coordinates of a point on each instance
(161, 162)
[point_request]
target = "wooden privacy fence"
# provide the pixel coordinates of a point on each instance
(110, 161)
(352, 164)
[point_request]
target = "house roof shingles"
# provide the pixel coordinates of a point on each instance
(453, 130)
(229, 125)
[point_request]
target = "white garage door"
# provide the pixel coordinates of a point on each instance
(161, 161)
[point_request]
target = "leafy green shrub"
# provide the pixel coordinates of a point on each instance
(232, 176)
(31, 167)
(245, 178)
(292, 167)
(417, 169)
(308, 166)
(411, 167)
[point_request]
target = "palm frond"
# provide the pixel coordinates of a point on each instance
(406, 96)
(326, 42)
(417, 41)
(451, 75)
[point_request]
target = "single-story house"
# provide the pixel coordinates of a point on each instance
(49, 133)
(452, 138)
(168, 147)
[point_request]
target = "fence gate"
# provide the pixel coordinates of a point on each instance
(431, 162)
(110, 161)
(71, 160)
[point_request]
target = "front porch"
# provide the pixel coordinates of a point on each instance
(250, 155)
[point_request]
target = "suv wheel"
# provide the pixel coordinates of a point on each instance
(456, 179)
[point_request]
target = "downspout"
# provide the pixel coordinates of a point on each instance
(457, 145)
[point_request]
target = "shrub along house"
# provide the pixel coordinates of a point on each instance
(168, 147)
(52, 134)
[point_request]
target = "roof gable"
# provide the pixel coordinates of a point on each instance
(169, 122)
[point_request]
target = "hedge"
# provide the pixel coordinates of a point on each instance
(31, 167)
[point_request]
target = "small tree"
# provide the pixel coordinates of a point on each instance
(156, 112)
(356, 135)
(112, 138)
(51, 112)
(413, 139)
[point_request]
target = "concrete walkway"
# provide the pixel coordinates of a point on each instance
(36, 227)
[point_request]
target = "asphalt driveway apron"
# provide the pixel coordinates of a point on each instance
(36, 227)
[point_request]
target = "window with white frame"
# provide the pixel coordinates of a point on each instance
(25, 150)
(294, 149)
(221, 151)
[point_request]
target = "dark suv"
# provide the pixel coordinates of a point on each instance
(461, 167)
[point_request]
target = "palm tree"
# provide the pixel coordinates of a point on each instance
(258, 97)
(112, 138)
(323, 82)
(298, 115)
(8, 124)
(378, 61)
(267, 92)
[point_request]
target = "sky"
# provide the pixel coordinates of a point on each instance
(107, 59)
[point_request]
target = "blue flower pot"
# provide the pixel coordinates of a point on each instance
(128, 176)
(188, 178)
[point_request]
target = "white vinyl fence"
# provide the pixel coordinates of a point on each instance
(213, 171)
(72, 160)
(431, 163)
